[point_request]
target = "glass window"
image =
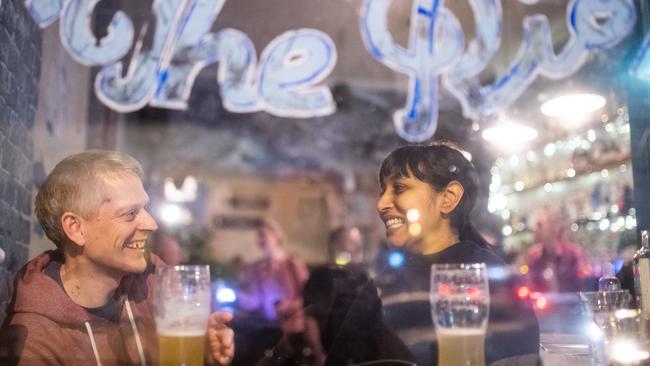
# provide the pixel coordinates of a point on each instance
(262, 126)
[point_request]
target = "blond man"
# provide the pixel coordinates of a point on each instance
(89, 302)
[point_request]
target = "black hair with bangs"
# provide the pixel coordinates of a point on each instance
(438, 164)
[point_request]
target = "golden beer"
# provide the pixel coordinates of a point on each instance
(181, 349)
(182, 307)
(461, 347)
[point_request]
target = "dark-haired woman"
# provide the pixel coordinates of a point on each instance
(427, 194)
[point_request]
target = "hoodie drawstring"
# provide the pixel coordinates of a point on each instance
(92, 342)
(135, 331)
(138, 342)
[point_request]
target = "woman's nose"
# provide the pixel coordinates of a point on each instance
(384, 202)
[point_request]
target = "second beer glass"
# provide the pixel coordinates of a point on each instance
(460, 303)
(181, 308)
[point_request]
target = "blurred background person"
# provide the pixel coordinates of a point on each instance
(555, 264)
(489, 227)
(343, 324)
(344, 246)
(272, 287)
(328, 296)
(627, 247)
(167, 247)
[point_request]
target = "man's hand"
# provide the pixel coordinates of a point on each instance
(221, 339)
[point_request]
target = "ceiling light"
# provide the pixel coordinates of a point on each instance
(509, 135)
(573, 107)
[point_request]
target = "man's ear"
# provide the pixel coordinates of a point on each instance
(452, 195)
(73, 227)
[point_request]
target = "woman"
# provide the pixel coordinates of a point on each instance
(427, 194)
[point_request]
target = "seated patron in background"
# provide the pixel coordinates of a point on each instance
(344, 246)
(89, 302)
(555, 264)
(167, 248)
(427, 194)
(343, 324)
(272, 286)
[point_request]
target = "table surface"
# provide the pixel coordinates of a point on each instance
(564, 349)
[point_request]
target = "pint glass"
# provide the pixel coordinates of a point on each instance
(460, 302)
(181, 309)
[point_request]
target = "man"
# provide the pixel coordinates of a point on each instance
(555, 263)
(89, 302)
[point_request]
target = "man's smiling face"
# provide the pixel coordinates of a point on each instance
(115, 236)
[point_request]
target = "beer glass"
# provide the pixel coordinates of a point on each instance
(181, 309)
(460, 302)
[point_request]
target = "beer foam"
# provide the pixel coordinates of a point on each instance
(182, 322)
(182, 333)
(460, 332)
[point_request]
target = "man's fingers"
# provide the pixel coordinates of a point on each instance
(223, 345)
(229, 336)
(219, 319)
(226, 337)
(226, 360)
(221, 337)
(222, 342)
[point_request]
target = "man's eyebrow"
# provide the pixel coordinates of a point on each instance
(129, 208)
(126, 209)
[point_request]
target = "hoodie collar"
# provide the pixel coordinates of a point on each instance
(36, 292)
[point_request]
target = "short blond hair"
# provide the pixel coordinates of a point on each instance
(76, 184)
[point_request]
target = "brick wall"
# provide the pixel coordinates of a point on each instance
(20, 54)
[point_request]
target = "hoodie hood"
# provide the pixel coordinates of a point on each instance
(45, 326)
(36, 292)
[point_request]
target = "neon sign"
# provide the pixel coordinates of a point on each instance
(284, 83)
(437, 42)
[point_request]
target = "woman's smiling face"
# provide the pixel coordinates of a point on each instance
(411, 211)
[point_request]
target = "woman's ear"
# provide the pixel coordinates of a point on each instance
(73, 227)
(452, 195)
